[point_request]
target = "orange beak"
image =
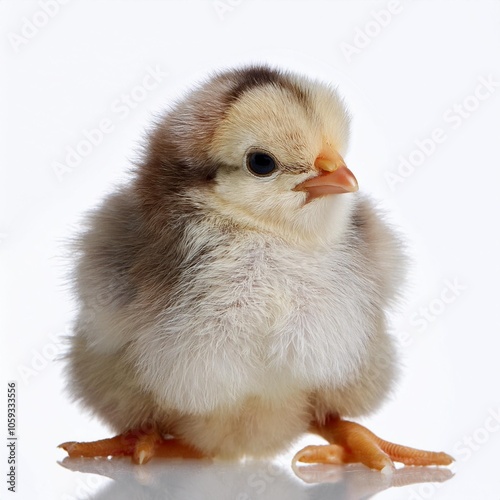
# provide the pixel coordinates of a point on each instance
(333, 178)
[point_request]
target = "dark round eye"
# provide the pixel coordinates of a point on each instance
(261, 164)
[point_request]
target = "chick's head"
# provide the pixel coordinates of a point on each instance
(264, 149)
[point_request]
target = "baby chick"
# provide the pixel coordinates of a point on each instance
(233, 296)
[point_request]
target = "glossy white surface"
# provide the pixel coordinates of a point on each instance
(121, 62)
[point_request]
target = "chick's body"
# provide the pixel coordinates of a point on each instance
(226, 307)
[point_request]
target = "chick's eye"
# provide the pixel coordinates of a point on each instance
(261, 164)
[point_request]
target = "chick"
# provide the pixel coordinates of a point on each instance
(233, 295)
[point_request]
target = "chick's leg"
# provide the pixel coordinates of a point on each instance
(140, 445)
(353, 443)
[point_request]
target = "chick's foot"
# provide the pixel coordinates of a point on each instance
(353, 443)
(141, 446)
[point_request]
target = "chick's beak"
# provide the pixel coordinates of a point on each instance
(334, 177)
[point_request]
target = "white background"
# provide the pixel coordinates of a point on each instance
(62, 77)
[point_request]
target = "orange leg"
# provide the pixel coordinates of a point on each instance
(141, 446)
(353, 443)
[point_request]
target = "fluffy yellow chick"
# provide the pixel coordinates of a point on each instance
(234, 295)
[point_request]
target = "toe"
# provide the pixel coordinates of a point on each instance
(412, 456)
(321, 454)
(116, 446)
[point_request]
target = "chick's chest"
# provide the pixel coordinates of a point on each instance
(298, 307)
(280, 287)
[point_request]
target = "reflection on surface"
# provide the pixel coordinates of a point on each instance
(192, 480)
